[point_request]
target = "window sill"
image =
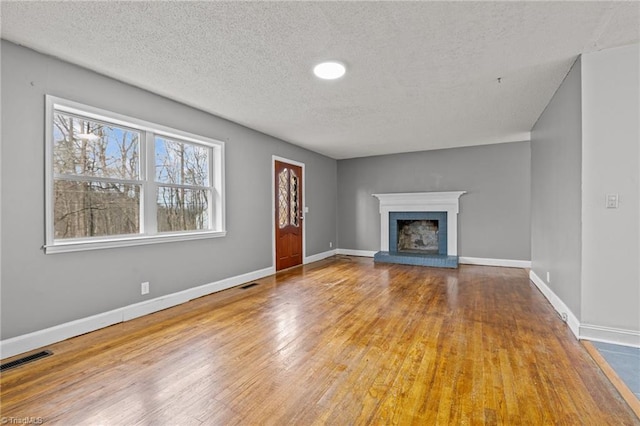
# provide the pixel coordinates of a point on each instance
(72, 246)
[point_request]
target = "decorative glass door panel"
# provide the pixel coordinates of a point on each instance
(294, 210)
(283, 198)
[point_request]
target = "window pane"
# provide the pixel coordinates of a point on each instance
(182, 209)
(181, 163)
(293, 196)
(86, 148)
(283, 198)
(87, 209)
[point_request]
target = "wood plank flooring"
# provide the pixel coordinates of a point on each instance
(343, 341)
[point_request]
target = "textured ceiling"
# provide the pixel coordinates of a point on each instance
(421, 75)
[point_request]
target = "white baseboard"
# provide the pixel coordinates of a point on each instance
(319, 256)
(362, 253)
(508, 263)
(557, 303)
(37, 339)
(610, 335)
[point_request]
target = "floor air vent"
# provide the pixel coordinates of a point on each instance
(246, 286)
(24, 360)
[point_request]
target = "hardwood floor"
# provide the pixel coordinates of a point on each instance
(342, 341)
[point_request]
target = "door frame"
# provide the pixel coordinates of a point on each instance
(275, 158)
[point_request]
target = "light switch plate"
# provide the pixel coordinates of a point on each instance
(612, 201)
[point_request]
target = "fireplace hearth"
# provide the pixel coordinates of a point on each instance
(419, 228)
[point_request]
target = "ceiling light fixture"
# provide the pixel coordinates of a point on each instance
(329, 70)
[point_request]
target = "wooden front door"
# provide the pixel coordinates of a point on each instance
(289, 216)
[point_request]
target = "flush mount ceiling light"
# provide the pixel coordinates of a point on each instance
(329, 70)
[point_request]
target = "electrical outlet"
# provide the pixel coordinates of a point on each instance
(330, 244)
(548, 277)
(612, 201)
(144, 288)
(564, 316)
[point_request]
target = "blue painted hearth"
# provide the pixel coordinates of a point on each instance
(418, 238)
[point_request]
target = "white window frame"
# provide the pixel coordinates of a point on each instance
(148, 220)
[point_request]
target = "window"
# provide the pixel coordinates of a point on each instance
(116, 181)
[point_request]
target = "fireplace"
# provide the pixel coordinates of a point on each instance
(419, 228)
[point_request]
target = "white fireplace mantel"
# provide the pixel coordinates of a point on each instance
(448, 202)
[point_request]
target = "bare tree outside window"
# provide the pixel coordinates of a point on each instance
(182, 173)
(96, 175)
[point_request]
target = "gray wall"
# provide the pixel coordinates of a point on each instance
(494, 214)
(556, 156)
(40, 291)
(611, 164)
(586, 145)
